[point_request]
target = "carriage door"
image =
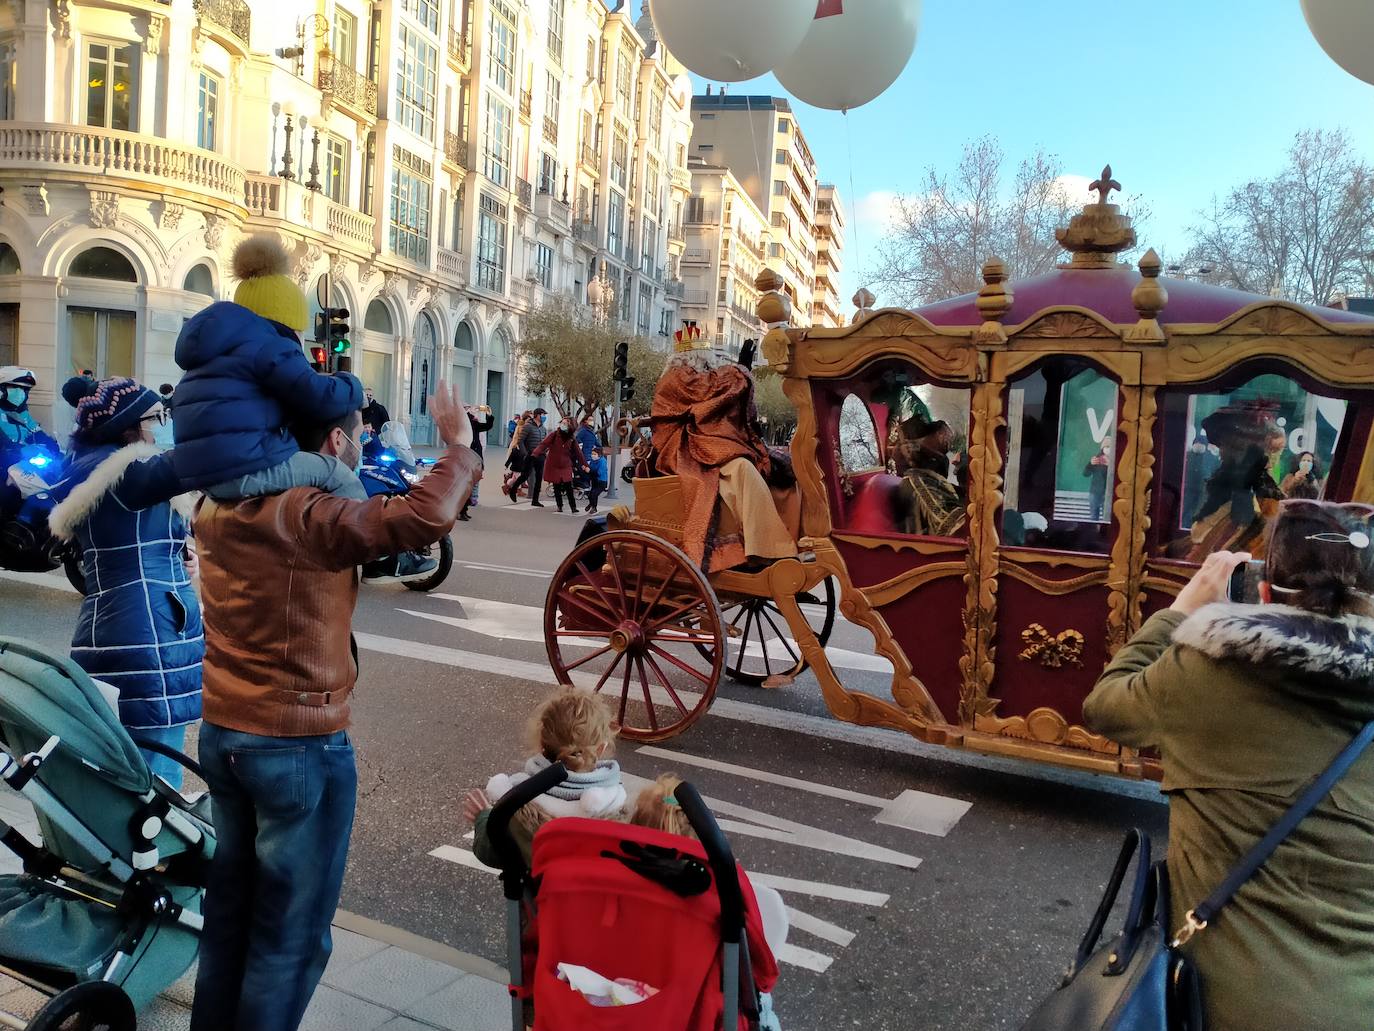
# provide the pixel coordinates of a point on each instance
(423, 379)
(1060, 548)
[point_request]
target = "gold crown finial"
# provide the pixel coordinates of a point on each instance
(1104, 185)
(1100, 231)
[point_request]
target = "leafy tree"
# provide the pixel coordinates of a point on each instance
(774, 406)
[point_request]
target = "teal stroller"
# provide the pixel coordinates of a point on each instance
(106, 914)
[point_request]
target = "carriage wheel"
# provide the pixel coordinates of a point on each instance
(761, 644)
(633, 618)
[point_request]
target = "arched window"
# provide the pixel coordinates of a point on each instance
(103, 263)
(500, 346)
(200, 281)
(462, 338)
(9, 261)
(378, 318)
(425, 335)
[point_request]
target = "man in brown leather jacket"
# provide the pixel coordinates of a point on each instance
(279, 583)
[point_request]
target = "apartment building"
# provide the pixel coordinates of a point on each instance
(830, 223)
(759, 140)
(424, 155)
(726, 236)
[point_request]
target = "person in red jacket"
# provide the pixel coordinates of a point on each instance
(561, 453)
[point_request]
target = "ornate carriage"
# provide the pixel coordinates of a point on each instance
(1003, 486)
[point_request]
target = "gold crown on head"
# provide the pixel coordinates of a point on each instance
(690, 338)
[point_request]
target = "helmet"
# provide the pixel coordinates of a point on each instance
(12, 377)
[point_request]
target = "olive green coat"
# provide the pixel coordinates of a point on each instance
(1247, 704)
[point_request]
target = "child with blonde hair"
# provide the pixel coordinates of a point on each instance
(574, 727)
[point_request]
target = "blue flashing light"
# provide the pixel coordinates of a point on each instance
(386, 459)
(38, 461)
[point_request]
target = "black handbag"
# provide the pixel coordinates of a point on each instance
(1140, 980)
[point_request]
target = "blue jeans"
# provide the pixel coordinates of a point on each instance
(283, 812)
(168, 769)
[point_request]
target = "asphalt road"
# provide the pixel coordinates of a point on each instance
(927, 888)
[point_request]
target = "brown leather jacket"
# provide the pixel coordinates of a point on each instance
(279, 582)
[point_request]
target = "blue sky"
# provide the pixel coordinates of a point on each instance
(1185, 98)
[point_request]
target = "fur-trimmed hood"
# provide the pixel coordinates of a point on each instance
(80, 494)
(1286, 637)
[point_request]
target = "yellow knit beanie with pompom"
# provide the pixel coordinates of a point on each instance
(260, 265)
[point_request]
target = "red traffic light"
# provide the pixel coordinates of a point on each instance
(318, 357)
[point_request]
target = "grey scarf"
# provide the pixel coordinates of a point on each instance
(605, 775)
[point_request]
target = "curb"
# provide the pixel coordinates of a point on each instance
(437, 951)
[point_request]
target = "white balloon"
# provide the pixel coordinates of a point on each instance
(731, 40)
(850, 57)
(1345, 30)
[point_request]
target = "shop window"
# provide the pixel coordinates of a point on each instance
(378, 318)
(103, 263)
(9, 261)
(1060, 467)
(199, 281)
(1227, 457)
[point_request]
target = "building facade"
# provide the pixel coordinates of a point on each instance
(759, 140)
(421, 156)
(829, 233)
(726, 236)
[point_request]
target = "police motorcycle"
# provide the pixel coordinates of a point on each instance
(389, 467)
(31, 464)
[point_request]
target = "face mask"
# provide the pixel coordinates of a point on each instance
(1305, 465)
(16, 397)
(564, 427)
(352, 456)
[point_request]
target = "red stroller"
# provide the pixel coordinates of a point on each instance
(629, 902)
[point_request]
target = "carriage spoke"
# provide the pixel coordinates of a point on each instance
(587, 658)
(568, 598)
(687, 606)
(744, 639)
(662, 679)
(648, 701)
(616, 614)
(679, 664)
(609, 670)
(643, 567)
(658, 596)
(627, 606)
(579, 633)
(624, 693)
(763, 640)
(782, 637)
(683, 634)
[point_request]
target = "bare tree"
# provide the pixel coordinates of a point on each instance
(941, 235)
(1306, 234)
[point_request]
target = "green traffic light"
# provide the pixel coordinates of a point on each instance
(342, 345)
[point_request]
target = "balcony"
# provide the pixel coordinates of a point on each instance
(589, 157)
(676, 234)
(268, 197)
(460, 47)
(745, 314)
(585, 232)
(452, 266)
(456, 149)
(675, 288)
(88, 154)
(524, 193)
(697, 256)
(350, 88)
(550, 129)
(526, 103)
(231, 15)
(549, 209)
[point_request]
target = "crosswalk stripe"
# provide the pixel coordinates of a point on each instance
(463, 857)
(804, 958)
(821, 889)
(832, 933)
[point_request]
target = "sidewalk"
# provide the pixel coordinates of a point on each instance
(379, 978)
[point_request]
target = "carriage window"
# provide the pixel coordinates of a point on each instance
(1060, 464)
(927, 446)
(858, 441)
(1230, 456)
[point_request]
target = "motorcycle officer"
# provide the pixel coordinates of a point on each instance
(18, 429)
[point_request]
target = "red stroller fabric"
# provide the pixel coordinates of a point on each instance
(595, 912)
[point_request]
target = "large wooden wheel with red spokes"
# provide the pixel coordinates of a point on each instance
(631, 617)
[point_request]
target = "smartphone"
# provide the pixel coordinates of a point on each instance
(1245, 581)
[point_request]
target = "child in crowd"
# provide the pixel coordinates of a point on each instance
(656, 807)
(597, 462)
(574, 727)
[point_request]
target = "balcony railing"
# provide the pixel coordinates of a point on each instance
(745, 314)
(589, 156)
(549, 208)
(233, 15)
(456, 149)
(524, 193)
(89, 153)
(675, 288)
(550, 129)
(350, 88)
(344, 223)
(676, 234)
(526, 103)
(584, 230)
(265, 196)
(459, 46)
(452, 266)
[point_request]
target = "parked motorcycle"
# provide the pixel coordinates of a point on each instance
(26, 545)
(389, 467)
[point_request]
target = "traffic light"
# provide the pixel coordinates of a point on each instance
(319, 359)
(332, 331)
(627, 389)
(622, 361)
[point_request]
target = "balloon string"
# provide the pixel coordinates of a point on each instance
(849, 143)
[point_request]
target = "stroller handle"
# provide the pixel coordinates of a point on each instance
(498, 823)
(721, 858)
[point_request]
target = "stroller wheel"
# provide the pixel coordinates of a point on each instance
(89, 1006)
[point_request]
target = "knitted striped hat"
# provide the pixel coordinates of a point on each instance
(114, 406)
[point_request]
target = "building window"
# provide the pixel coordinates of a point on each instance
(784, 126)
(497, 151)
(620, 159)
(207, 112)
(614, 223)
(491, 244)
(779, 188)
(775, 250)
(548, 174)
(543, 265)
(345, 38)
(426, 12)
(656, 116)
(647, 238)
(625, 296)
(458, 219)
(646, 304)
(416, 78)
(556, 30)
(369, 172)
(9, 76)
(110, 100)
(336, 169)
(501, 48)
(623, 77)
(651, 185)
(103, 263)
(552, 99)
(410, 193)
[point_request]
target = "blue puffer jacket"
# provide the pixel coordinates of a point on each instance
(246, 379)
(139, 629)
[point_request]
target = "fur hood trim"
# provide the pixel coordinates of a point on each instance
(1284, 636)
(78, 505)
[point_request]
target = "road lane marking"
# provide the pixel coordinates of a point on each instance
(912, 810)
(463, 857)
(821, 889)
(542, 574)
(804, 958)
(833, 933)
